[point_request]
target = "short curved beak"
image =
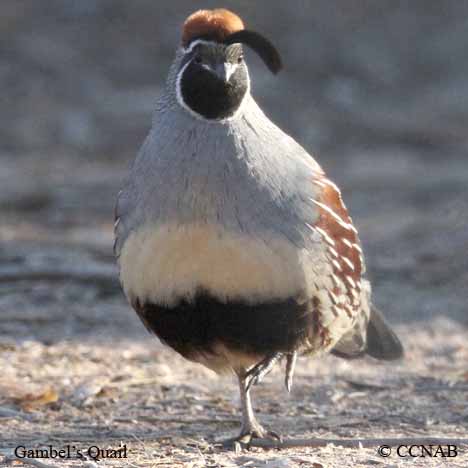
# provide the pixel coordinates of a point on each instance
(224, 71)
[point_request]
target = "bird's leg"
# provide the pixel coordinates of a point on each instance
(256, 373)
(290, 366)
(250, 428)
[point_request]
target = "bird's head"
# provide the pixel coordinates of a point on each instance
(212, 79)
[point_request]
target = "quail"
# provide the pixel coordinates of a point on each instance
(234, 247)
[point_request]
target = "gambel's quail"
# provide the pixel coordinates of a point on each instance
(234, 247)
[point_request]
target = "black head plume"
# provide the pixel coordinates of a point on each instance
(262, 46)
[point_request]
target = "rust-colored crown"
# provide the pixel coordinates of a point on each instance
(216, 24)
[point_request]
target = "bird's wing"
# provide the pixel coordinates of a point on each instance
(342, 247)
(370, 333)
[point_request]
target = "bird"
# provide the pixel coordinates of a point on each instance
(233, 245)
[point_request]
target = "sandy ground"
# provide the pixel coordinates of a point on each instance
(113, 385)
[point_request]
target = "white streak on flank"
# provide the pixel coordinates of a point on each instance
(333, 252)
(357, 247)
(335, 310)
(326, 237)
(350, 281)
(333, 185)
(348, 226)
(333, 297)
(356, 296)
(318, 182)
(337, 265)
(335, 280)
(348, 309)
(348, 262)
(166, 263)
(117, 222)
(347, 243)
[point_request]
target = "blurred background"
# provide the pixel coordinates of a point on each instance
(377, 91)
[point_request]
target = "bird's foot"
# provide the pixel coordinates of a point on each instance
(257, 373)
(248, 433)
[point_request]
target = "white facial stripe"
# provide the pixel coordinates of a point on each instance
(229, 68)
(194, 44)
(197, 42)
(180, 99)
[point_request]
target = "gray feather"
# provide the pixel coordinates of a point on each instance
(202, 172)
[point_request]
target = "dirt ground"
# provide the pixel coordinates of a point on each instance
(114, 385)
(379, 94)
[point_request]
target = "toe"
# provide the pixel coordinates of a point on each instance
(274, 435)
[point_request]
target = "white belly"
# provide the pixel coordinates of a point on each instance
(165, 263)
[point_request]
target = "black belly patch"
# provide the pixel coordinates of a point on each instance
(263, 328)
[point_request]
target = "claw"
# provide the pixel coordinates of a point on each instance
(244, 439)
(251, 428)
(257, 373)
(274, 435)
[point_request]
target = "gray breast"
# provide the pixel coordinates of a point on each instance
(245, 175)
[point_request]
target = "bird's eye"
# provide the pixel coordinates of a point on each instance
(198, 59)
(240, 59)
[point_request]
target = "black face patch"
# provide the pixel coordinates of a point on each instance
(207, 93)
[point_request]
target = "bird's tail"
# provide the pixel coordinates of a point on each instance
(375, 339)
(382, 342)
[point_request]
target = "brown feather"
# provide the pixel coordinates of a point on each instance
(217, 24)
(345, 240)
